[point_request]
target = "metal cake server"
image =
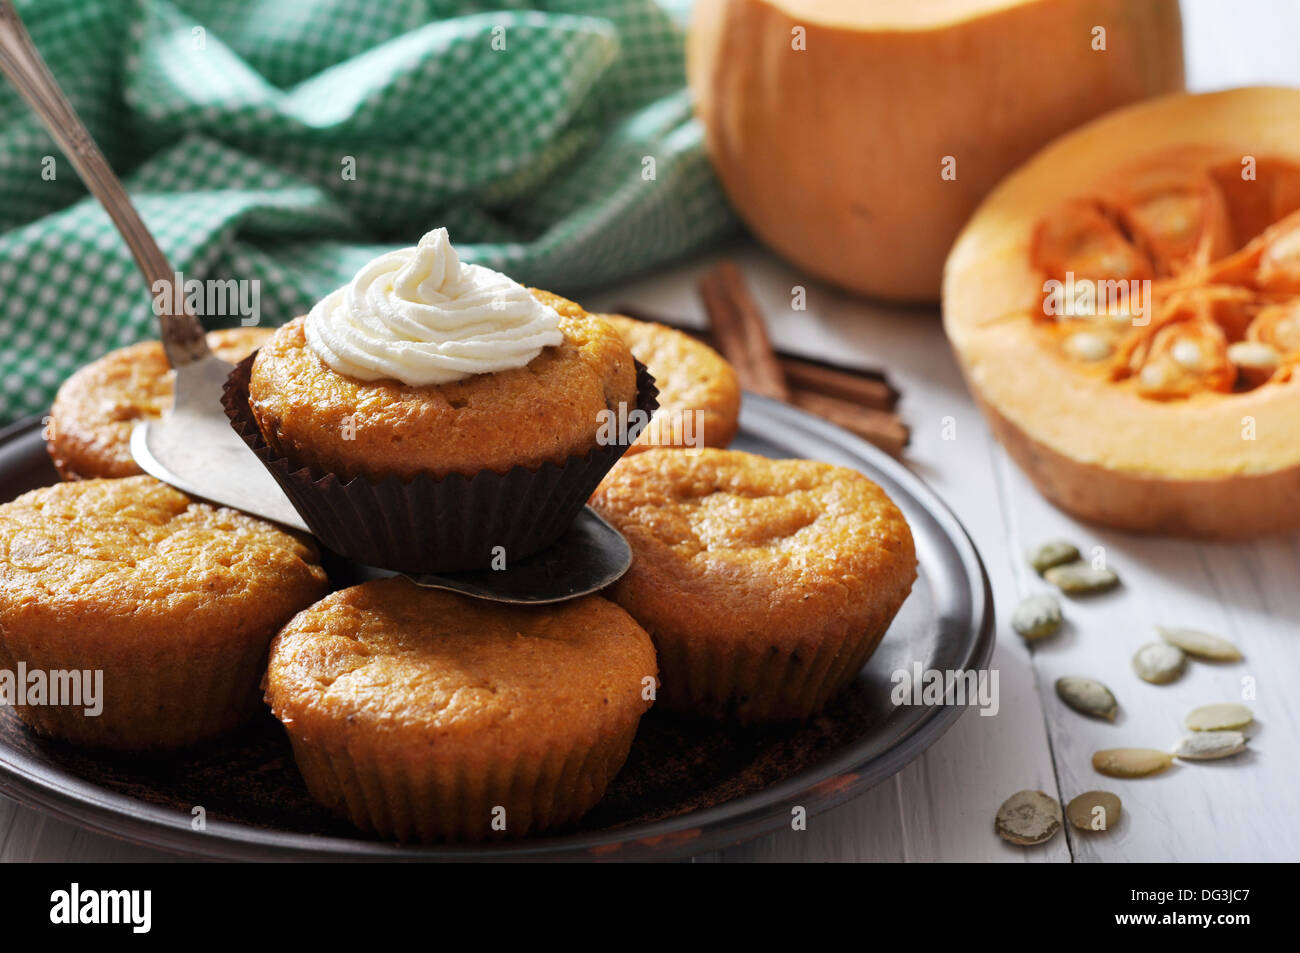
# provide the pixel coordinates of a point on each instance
(193, 447)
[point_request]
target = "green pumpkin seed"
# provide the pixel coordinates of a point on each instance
(1080, 578)
(1223, 716)
(1054, 552)
(1094, 811)
(1208, 745)
(1200, 644)
(1131, 762)
(1159, 663)
(1087, 696)
(1028, 817)
(1037, 617)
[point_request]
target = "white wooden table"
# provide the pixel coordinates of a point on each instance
(941, 806)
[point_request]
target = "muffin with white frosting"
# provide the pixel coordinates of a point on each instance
(428, 373)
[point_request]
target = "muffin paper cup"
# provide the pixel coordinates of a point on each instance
(429, 525)
(420, 800)
(161, 701)
(754, 687)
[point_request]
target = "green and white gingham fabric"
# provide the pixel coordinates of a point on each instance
(290, 142)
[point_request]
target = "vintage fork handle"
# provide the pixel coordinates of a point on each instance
(182, 335)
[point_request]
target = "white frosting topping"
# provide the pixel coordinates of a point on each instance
(419, 316)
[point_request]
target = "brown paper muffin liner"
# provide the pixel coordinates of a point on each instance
(429, 525)
(422, 800)
(160, 701)
(754, 685)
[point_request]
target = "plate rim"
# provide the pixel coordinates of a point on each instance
(59, 792)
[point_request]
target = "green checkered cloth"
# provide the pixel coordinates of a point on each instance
(291, 142)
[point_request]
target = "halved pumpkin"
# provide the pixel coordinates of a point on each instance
(1126, 309)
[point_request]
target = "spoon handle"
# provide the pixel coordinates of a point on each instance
(182, 334)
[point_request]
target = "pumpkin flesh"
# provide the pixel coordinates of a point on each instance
(1182, 413)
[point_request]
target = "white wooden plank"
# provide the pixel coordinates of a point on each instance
(27, 835)
(1235, 810)
(1241, 43)
(851, 832)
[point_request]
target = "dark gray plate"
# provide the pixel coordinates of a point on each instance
(689, 786)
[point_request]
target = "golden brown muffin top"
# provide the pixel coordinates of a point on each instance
(387, 662)
(136, 559)
(691, 376)
(98, 406)
(546, 411)
(743, 547)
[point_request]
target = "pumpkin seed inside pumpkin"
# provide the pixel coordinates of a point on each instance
(1094, 811)
(1037, 617)
(1028, 817)
(1154, 378)
(1253, 355)
(1081, 578)
(1087, 696)
(1200, 644)
(1054, 552)
(1159, 663)
(1131, 762)
(1089, 346)
(1222, 716)
(1187, 353)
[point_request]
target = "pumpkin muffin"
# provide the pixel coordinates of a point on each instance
(424, 715)
(547, 411)
(699, 395)
(765, 584)
(431, 414)
(172, 600)
(89, 432)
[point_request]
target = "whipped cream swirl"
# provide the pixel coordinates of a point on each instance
(420, 316)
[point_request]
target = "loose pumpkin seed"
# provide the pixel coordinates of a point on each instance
(1037, 617)
(1084, 814)
(1087, 696)
(1208, 745)
(1200, 644)
(1089, 346)
(1028, 817)
(1159, 663)
(1131, 762)
(1081, 578)
(1223, 716)
(1054, 552)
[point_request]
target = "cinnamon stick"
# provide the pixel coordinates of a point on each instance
(741, 332)
(821, 379)
(860, 404)
(819, 375)
(880, 427)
